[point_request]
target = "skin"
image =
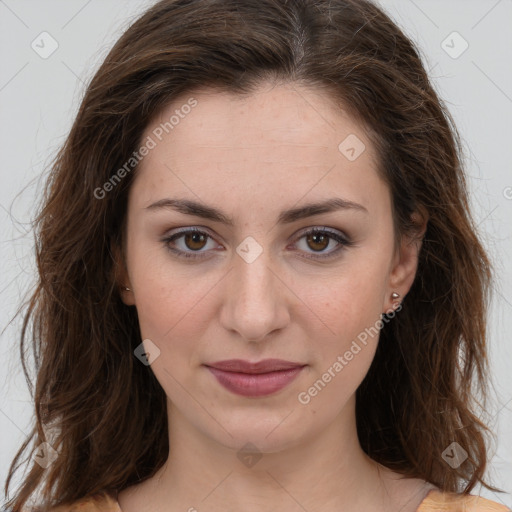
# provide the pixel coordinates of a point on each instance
(252, 158)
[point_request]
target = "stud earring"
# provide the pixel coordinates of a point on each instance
(394, 296)
(127, 289)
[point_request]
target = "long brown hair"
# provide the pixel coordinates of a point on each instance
(107, 412)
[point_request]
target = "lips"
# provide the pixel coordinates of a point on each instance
(264, 366)
(255, 379)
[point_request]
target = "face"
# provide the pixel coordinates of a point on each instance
(255, 281)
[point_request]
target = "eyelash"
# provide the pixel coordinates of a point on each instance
(344, 242)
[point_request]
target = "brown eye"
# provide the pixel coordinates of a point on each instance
(188, 243)
(195, 241)
(318, 241)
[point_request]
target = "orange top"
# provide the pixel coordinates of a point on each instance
(435, 501)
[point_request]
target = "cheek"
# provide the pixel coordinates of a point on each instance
(344, 355)
(350, 309)
(167, 297)
(348, 349)
(166, 313)
(349, 303)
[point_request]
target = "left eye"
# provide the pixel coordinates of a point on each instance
(317, 239)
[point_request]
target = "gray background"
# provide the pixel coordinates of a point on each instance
(39, 98)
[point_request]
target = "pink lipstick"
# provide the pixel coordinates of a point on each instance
(255, 379)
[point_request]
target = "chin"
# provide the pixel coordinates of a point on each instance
(268, 433)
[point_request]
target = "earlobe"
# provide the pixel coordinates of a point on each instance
(121, 276)
(127, 296)
(405, 263)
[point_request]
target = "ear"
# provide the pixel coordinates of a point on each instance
(121, 275)
(405, 261)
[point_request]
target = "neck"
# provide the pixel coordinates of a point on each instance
(329, 471)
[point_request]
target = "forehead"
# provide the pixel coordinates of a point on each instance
(273, 114)
(281, 138)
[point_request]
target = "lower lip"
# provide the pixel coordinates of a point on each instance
(255, 384)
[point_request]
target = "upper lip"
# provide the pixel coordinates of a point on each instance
(263, 366)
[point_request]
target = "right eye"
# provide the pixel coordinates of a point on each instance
(193, 240)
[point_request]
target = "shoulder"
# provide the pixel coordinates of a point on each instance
(95, 503)
(437, 501)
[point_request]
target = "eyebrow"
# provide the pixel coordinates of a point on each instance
(189, 207)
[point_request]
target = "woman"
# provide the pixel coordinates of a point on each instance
(258, 272)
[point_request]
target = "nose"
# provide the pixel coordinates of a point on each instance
(257, 299)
